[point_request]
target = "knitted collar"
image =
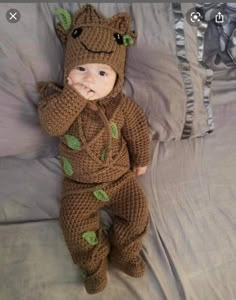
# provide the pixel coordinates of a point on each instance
(95, 104)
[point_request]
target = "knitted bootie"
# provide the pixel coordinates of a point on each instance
(134, 267)
(97, 281)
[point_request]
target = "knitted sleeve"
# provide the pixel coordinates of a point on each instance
(58, 111)
(136, 133)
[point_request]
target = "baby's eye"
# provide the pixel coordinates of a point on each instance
(80, 69)
(102, 73)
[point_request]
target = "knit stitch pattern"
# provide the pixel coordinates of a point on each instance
(79, 213)
(101, 141)
(93, 130)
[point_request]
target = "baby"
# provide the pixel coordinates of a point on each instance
(94, 81)
(104, 145)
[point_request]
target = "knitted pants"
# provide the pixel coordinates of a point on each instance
(89, 246)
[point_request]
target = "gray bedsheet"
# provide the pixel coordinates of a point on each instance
(190, 248)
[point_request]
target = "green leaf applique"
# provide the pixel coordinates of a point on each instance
(104, 153)
(127, 40)
(72, 142)
(101, 195)
(65, 17)
(67, 167)
(114, 130)
(90, 237)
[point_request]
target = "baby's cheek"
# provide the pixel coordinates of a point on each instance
(69, 81)
(75, 78)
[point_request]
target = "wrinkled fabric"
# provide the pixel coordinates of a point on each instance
(220, 39)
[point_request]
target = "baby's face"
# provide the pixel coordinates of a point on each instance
(93, 81)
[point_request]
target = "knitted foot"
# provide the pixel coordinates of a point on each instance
(134, 267)
(97, 282)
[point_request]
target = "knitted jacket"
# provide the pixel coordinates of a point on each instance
(100, 140)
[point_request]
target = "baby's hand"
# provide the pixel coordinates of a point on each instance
(81, 89)
(140, 170)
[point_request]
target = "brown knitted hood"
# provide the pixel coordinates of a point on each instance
(92, 38)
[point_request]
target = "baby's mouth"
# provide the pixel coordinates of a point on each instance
(87, 88)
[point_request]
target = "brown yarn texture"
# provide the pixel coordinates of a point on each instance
(80, 213)
(67, 113)
(108, 137)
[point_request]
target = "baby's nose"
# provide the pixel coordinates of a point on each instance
(89, 77)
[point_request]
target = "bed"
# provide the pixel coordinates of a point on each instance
(190, 247)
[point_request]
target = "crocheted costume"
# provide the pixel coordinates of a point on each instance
(100, 142)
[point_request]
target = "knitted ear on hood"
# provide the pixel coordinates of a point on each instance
(87, 14)
(63, 27)
(121, 22)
